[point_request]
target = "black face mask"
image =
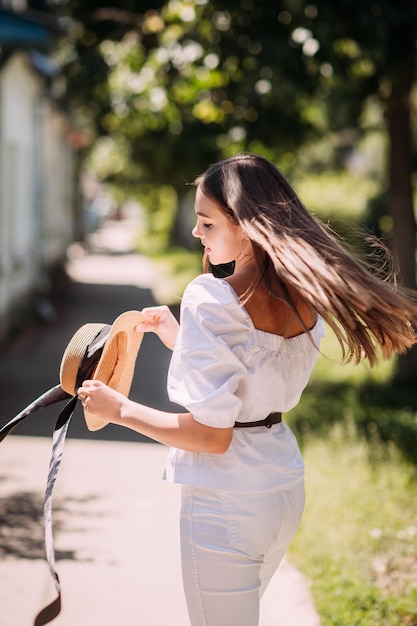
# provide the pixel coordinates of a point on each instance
(223, 270)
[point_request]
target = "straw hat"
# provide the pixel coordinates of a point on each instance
(102, 352)
(98, 352)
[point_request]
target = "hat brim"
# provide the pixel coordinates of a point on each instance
(116, 366)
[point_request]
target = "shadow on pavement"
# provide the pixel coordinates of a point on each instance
(21, 531)
(21, 524)
(31, 364)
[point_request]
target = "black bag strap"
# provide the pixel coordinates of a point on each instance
(56, 394)
(52, 610)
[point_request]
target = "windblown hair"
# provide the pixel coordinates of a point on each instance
(294, 251)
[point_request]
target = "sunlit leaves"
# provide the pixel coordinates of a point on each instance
(208, 112)
(347, 48)
(152, 23)
(268, 74)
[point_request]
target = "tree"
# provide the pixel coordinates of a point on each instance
(369, 51)
(182, 84)
(174, 89)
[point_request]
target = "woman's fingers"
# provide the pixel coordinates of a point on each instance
(153, 316)
(160, 320)
(100, 400)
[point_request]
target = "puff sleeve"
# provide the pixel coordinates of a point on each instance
(208, 361)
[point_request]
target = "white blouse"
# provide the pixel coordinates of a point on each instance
(224, 370)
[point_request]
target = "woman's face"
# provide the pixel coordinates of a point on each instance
(221, 238)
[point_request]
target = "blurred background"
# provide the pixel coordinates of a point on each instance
(108, 112)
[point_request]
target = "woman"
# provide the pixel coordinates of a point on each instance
(242, 357)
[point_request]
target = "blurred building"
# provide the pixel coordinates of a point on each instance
(37, 148)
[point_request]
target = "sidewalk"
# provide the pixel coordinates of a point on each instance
(116, 521)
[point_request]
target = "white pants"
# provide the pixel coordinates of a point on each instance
(231, 545)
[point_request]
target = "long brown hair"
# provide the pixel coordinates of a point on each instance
(294, 250)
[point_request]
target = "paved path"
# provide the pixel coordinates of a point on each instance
(116, 521)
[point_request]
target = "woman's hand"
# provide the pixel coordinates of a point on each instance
(101, 402)
(160, 320)
(180, 430)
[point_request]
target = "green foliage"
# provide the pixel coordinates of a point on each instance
(177, 268)
(337, 194)
(377, 413)
(356, 544)
(179, 85)
(186, 83)
(368, 400)
(357, 538)
(160, 206)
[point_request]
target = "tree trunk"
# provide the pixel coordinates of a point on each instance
(401, 205)
(184, 222)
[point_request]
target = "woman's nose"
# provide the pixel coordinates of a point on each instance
(194, 232)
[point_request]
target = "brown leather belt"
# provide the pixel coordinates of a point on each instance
(273, 418)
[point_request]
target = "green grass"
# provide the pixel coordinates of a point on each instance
(328, 366)
(357, 541)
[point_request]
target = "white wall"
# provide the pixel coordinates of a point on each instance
(36, 181)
